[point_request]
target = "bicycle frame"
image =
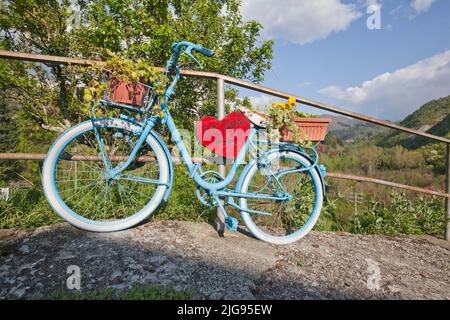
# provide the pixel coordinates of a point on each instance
(217, 189)
(118, 145)
(194, 169)
(195, 172)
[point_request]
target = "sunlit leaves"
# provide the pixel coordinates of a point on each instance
(137, 29)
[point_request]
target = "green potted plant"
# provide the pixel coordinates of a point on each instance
(129, 81)
(295, 126)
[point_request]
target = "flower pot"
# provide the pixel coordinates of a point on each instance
(315, 129)
(127, 92)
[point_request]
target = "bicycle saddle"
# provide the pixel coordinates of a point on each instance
(258, 119)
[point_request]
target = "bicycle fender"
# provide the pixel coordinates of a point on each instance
(319, 168)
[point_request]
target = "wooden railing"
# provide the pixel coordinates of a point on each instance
(221, 80)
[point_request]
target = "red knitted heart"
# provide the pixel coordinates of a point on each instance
(223, 137)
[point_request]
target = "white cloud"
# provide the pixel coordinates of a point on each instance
(395, 95)
(262, 101)
(421, 5)
(300, 21)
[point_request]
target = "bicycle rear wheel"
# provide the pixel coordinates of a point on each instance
(77, 186)
(287, 220)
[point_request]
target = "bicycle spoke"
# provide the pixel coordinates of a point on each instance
(287, 215)
(83, 186)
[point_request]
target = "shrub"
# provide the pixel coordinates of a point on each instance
(137, 292)
(402, 216)
(28, 208)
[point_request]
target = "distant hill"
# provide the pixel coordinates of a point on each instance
(442, 128)
(349, 129)
(340, 122)
(433, 117)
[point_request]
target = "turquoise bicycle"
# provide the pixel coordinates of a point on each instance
(111, 173)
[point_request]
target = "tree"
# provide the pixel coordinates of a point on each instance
(136, 29)
(43, 92)
(435, 155)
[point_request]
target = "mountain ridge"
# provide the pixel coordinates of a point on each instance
(432, 117)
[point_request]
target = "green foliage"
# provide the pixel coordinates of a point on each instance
(136, 29)
(38, 101)
(137, 292)
(397, 157)
(45, 93)
(432, 117)
(402, 216)
(126, 70)
(282, 118)
(369, 159)
(359, 131)
(441, 128)
(428, 114)
(183, 205)
(44, 98)
(436, 156)
(335, 215)
(28, 207)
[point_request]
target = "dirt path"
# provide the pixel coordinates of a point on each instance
(184, 255)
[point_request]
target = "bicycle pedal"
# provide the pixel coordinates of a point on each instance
(231, 223)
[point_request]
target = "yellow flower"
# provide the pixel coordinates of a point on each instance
(280, 105)
(291, 102)
(289, 105)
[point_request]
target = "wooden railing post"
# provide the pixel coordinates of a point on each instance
(447, 201)
(220, 116)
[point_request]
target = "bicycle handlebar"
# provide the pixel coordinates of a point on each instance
(178, 46)
(205, 51)
(173, 60)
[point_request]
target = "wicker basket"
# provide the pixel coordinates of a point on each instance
(135, 94)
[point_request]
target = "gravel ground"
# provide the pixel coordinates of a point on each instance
(186, 255)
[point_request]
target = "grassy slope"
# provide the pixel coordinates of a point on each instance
(433, 117)
(137, 292)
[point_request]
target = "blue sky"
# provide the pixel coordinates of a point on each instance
(325, 51)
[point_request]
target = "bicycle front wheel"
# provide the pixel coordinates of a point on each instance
(281, 221)
(77, 185)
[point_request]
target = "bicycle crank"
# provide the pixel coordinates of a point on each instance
(202, 195)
